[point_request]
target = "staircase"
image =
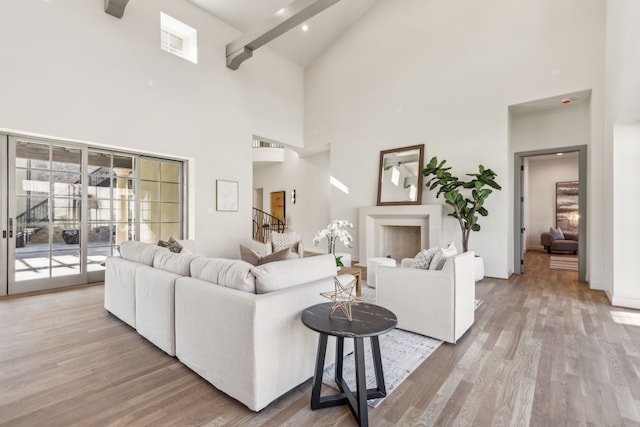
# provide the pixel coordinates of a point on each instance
(264, 224)
(39, 213)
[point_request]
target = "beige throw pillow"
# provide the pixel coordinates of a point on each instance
(172, 245)
(253, 258)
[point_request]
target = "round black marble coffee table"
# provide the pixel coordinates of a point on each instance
(370, 321)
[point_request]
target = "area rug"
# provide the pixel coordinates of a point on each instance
(563, 263)
(402, 352)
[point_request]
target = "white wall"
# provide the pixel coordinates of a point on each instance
(443, 73)
(309, 176)
(71, 71)
(626, 233)
(543, 173)
(562, 126)
(622, 139)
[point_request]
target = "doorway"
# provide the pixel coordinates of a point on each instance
(520, 199)
(278, 205)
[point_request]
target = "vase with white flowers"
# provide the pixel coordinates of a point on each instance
(336, 230)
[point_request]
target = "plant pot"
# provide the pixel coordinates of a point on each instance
(71, 237)
(479, 268)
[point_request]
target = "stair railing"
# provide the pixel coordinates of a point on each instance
(264, 224)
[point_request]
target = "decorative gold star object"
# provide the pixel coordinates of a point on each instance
(343, 296)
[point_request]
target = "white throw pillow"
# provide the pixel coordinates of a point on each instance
(424, 257)
(441, 257)
(557, 234)
(280, 241)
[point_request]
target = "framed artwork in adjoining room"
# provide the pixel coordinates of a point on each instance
(567, 218)
(226, 195)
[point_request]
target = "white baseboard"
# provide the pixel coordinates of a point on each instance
(624, 302)
(496, 274)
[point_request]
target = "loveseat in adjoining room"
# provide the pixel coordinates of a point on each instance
(236, 325)
(567, 243)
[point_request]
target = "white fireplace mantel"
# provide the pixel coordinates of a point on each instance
(372, 219)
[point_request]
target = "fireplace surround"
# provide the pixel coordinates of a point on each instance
(375, 221)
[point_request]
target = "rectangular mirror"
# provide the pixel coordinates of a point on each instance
(400, 176)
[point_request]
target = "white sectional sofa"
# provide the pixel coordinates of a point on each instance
(236, 325)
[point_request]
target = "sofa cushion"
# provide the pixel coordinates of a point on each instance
(441, 257)
(140, 252)
(292, 272)
(424, 257)
(173, 262)
(565, 245)
(556, 233)
(254, 258)
(230, 273)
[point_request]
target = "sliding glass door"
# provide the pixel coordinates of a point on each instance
(45, 215)
(67, 207)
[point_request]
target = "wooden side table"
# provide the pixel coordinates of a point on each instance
(357, 272)
(369, 321)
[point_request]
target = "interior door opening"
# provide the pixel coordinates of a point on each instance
(540, 201)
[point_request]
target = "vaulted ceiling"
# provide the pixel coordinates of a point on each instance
(300, 46)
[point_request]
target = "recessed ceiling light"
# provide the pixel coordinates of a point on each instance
(305, 27)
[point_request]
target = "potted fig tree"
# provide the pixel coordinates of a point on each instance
(465, 196)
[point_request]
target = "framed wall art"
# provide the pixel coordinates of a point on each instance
(567, 217)
(226, 195)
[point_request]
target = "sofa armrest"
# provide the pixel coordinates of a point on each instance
(406, 262)
(546, 239)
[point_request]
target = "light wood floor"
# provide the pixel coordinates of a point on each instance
(544, 351)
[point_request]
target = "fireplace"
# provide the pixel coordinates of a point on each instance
(398, 231)
(400, 241)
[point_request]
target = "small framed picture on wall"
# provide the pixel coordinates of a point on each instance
(226, 195)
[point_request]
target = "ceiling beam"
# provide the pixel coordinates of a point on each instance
(115, 7)
(282, 21)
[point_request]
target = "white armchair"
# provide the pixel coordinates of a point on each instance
(282, 240)
(436, 303)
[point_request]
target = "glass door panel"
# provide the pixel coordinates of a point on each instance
(4, 218)
(47, 212)
(110, 205)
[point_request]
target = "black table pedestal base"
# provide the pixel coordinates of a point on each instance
(357, 401)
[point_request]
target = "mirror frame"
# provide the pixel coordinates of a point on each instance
(418, 200)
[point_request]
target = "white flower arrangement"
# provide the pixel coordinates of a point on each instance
(335, 231)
